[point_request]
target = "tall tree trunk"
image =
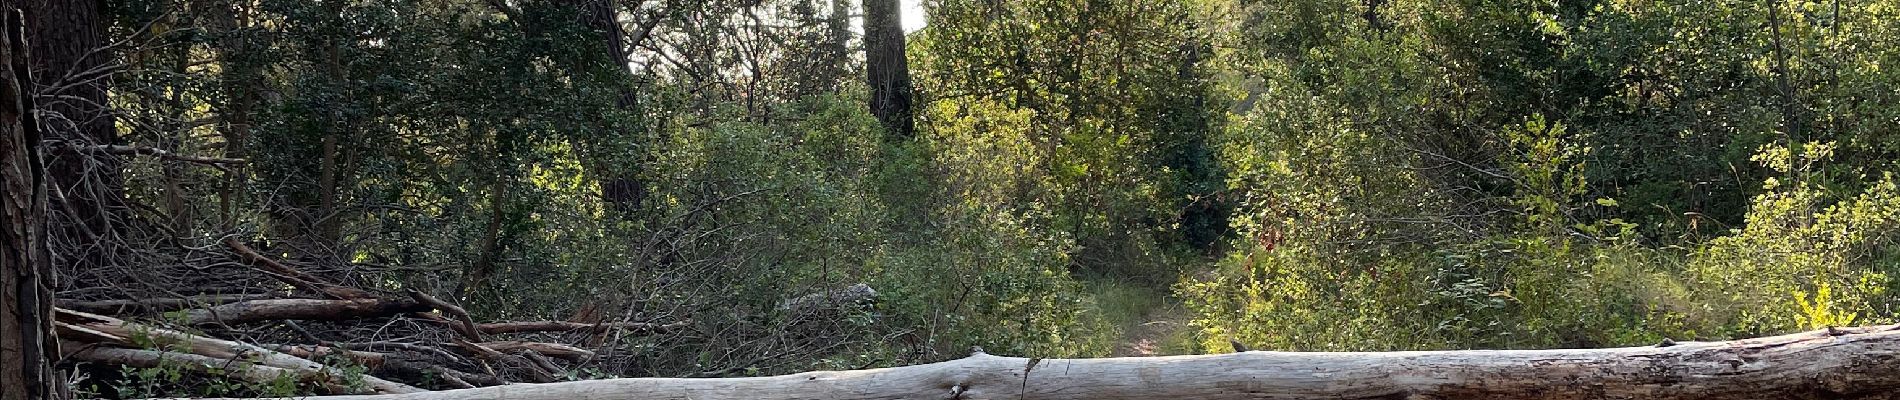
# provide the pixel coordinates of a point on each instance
(478, 273)
(1371, 15)
(330, 176)
(600, 16)
(620, 187)
(311, 218)
(173, 132)
(70, 75)
(27, 348)
(887, 69)
(239, 82)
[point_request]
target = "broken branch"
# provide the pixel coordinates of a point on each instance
(300, 309)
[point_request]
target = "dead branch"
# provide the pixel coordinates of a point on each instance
(247, 372)
(290, 275)
(564, 326)
(300, 309)
(437, 352)
(93, 328)
(448, 376)
(537, 373)
(312, 352)
(465, 325)
(118, 307)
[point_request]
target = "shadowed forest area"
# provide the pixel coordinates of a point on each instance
(438, 194)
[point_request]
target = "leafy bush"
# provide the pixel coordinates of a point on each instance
(1806, 257)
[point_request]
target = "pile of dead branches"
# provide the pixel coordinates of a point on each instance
(433, 343)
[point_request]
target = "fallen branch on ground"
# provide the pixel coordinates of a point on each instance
(115, 307)
(463, 323)
(563, 326)
(1848, 363)
(292, 276)
(83, 327)
(301, 309)
(248, 372)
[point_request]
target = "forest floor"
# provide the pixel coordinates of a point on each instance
(1152, 323)
(1163, 332)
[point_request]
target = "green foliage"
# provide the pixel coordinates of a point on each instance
(1821, 312)
(1382, 208)
(1547, 171)
(1107, 107)
(1805, 257)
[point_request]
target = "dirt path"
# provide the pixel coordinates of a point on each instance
(1158, 328)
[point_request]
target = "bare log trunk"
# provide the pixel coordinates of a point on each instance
(242, 371)
(1853, 363)
(301, 309)
(115, 307)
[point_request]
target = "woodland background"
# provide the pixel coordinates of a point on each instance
(1043, 178)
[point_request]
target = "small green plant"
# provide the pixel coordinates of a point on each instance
(1821, 312)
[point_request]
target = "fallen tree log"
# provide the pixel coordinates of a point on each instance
(1849, 363)
(563, 326)
(90, 328)
(384, 364)
(301, 309)
(113, 307)
(248, 372)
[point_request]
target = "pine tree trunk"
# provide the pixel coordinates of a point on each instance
(65, 38)
(887, 68)
(27, 347)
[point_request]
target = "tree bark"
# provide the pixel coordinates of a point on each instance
(70, 73)
(1850, 363)
(887, 69)
(27, 346)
